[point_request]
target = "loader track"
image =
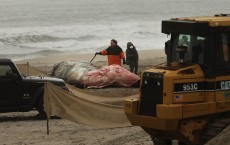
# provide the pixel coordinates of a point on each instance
(164, 138)
(213, 128)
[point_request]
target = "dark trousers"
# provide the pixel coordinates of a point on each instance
(134, 67)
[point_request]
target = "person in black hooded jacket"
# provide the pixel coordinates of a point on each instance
(132, 57)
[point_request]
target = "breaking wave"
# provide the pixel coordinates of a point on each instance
(35, 54)
(83, 26)
(29, 39)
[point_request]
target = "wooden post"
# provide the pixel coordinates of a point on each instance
(47, 123)
(47, 112)
(28, 70)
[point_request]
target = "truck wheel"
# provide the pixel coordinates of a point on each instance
(40, 109)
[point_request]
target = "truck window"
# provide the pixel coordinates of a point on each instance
(5, 71)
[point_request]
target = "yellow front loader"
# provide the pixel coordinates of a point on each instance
(187, 98)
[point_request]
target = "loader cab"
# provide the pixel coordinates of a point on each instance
(194, 42)
(182, 98)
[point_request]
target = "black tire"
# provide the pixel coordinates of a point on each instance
(40, 109)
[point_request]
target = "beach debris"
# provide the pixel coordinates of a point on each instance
(71, 72)
(107, 75)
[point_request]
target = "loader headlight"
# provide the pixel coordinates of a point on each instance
(158, 83)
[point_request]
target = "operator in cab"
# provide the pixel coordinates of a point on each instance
(184, 41)
(114, 52)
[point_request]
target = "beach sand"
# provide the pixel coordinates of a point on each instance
(24, 128)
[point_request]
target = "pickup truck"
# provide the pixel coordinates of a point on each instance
(20, 93)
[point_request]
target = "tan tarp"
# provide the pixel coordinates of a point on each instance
(85, 111)
(28, 70)
(81, 107)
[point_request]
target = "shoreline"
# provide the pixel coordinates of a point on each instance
(50, 60)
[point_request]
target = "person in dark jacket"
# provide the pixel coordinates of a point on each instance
(132, 57)
(114, 53)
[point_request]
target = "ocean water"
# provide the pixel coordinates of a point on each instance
(34, 28)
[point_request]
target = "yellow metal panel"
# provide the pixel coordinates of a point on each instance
(131, 106)
(172, 77)
(223, 106)
(189, 80)
(222, 94)
(167, 99)
(153, 122)
(218, 23)
(189, 97)
(219, 78)
(212, 20)
(193, 96)
(167, 90)
(173, 111)
(210, 96)
(198, 109)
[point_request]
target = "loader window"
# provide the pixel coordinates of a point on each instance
(222, 53)
(225, 46)
(184, 40)
(195, 48)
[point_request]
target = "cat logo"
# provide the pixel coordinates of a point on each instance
(225, 85)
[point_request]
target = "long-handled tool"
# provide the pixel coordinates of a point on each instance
(93, 58)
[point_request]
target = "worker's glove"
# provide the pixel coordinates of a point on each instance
(124, 62)
(98, 53)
